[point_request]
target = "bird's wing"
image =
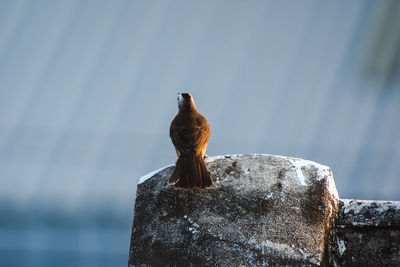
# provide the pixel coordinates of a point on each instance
(181, 138)
(201, 132)
(191, 135)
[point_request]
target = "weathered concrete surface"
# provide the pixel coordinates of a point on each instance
(263, 210)
(365, 233)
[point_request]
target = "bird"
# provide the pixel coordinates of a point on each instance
(189, 132)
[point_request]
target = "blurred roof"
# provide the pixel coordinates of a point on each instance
(88, 89)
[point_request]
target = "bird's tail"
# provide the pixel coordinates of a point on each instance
(190, 172)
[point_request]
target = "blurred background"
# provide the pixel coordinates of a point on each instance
(88, 90)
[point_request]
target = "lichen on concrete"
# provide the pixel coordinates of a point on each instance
(263, 210)
(365, 233)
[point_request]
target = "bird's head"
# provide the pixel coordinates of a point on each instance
(185, 101)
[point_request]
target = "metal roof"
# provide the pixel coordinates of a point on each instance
(88, 89)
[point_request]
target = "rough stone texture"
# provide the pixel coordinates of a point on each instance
(263, 210)
(365, 233)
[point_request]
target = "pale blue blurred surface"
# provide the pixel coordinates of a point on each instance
(88, 89)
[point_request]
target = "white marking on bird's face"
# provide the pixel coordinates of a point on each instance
(180, 100)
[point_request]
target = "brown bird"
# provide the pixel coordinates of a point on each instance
(189, 132)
